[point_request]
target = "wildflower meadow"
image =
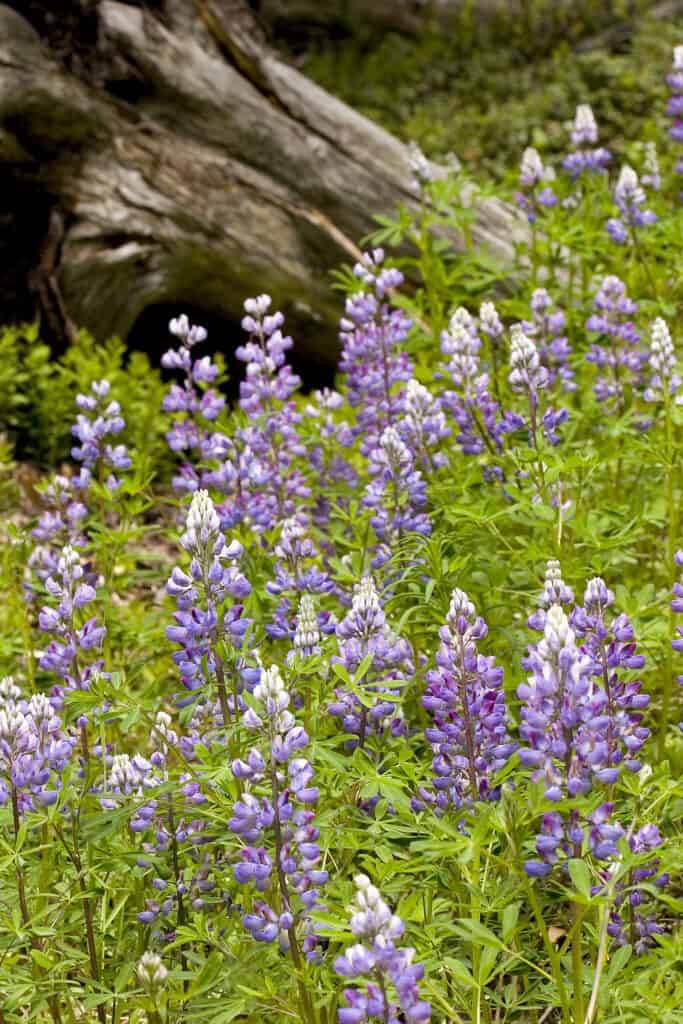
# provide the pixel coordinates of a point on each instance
(362, 704)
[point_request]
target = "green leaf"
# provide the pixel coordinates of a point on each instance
(581, 878)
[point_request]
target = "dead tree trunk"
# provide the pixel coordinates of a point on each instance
(183, 162)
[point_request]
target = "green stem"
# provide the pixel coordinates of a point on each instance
(577, 966)
(672, 509)
(475, 913)
(555, 964)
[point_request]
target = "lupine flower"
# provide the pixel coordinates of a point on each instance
(296, 573)
(675, 105)
(59, 525)
(376, 956)
(609, 642)
(633, 918)
(630, 199)
(271, 441)
(471, 404)
(151, 973)
(532, 174)
(275, 808)
(586, 155)
(423, 426)
(527, 377)
(651, 176)
(558, 709)
(663, 363)
(331, 437)
(98, 420)
(618, 351)
(202, 619)
(70, 594)
(677, 606)
(555, 591)
(307, 632)
(34, 749)
(420, 167)
(363, 632)
(372, 335)
(546, 329)
(466, 700)
(396, 495)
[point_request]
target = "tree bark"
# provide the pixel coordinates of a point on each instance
(182, 162)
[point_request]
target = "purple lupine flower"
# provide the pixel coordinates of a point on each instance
(677, 606)
(618, 353)
(276, 806)
(527, 377)
(471, 404)
(211, 458)
(423, 426)
(296, 573)
(396, 494)
(675, 105)
(586, 156)
(633, 917)
(664, 379)
(98, 420)
(74, 635)
(372, 335)
(377, 958)
(275, 488)
(630, 198)
(203, 619)
(532, 174)
(466, 700)
(609, 643)
(34, 749)
(60, 524)
(560, 710)
(365, 632)
(330, 437)
(546, 330)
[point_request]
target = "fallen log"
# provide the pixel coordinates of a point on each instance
(188, 164)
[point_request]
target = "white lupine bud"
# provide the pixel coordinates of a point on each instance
(203, 526)
(365, 596)
(460, 606)
(678, 58)
(307, 633)
(662, 355)
(557, 633)
(419, 164)
(151, 973)
(531, 169)
(628, 189)
(525, 363)
(489, 319)
(596, 594)
(9, 691)
(585, 126)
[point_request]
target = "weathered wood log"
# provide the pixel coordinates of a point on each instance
(188, 164)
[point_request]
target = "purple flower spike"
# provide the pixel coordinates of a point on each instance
(204, 616)
(363, 632)
(376, 955)
(618, 354)
(675, 105)
(466, 700)
(586, 156)
(535, 192)
(630, 199)
(372, 335)
(275, 809)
